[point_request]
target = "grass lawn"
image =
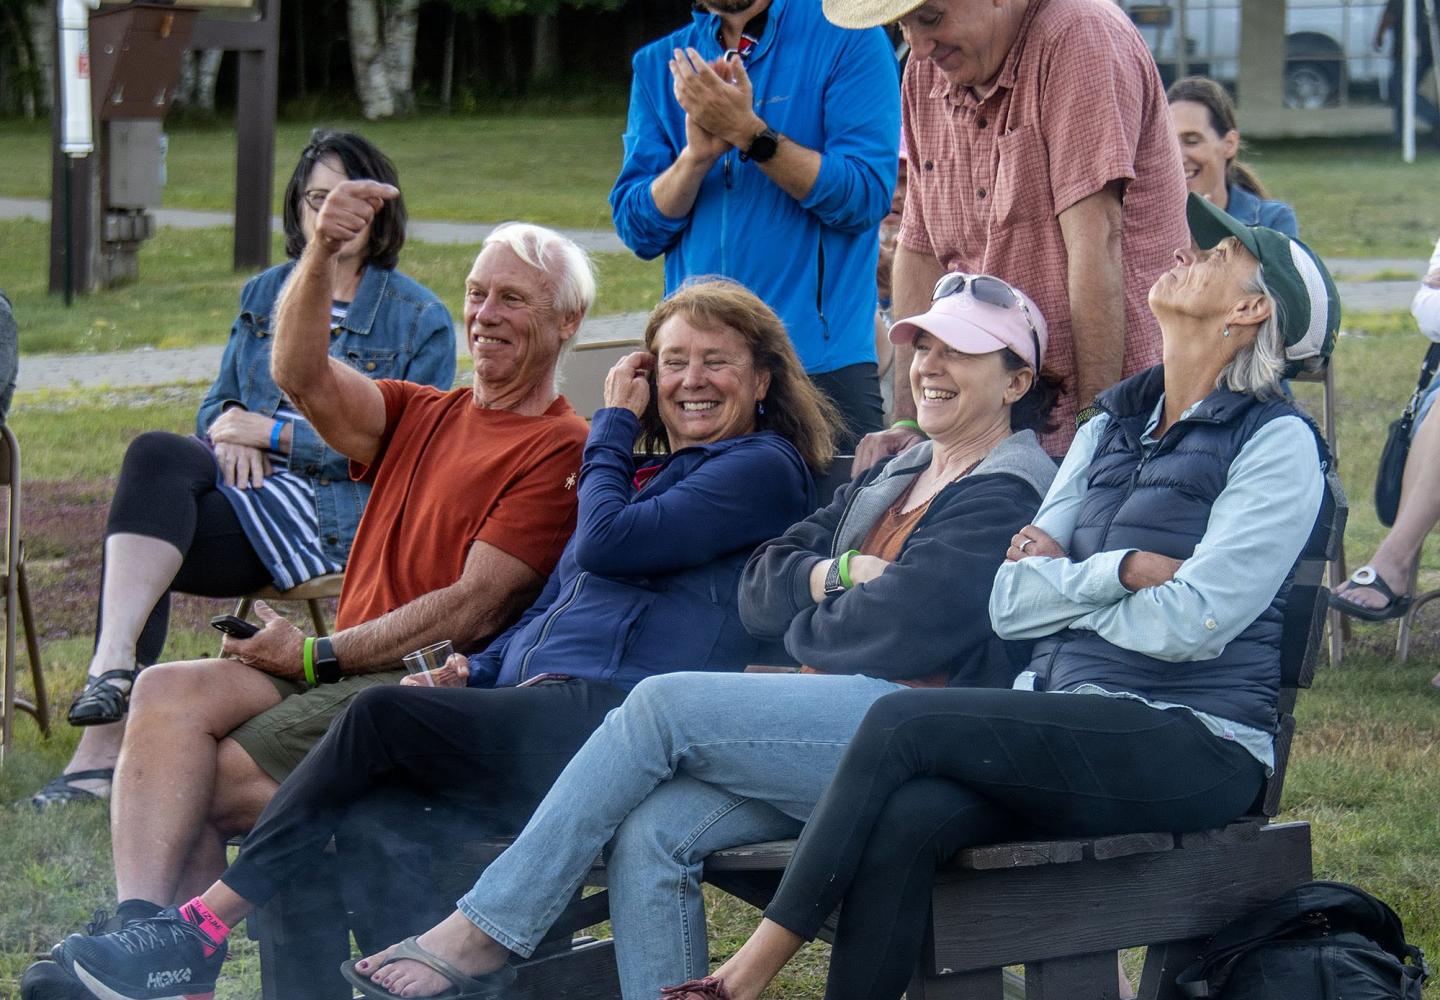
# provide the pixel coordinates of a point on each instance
(557, 169)
(188, 295)
(1365, 769)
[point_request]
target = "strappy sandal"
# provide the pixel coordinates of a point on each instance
(709, 988)
(62, 790)
(102, 702)
(1395, 605)
(490, 986)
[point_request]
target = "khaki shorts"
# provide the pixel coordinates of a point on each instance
(279, 738)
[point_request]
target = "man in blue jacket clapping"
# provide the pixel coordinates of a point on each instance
(762, 145)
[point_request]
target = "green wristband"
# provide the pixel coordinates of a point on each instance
(910, 424)
(310, 662)
(844, 564)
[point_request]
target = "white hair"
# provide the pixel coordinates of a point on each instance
(1258, 367)
(568, 267)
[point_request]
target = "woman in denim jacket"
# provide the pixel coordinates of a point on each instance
(256, 497)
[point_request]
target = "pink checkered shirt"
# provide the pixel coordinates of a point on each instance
(1079, 105)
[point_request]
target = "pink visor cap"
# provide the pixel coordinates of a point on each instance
(976, 327)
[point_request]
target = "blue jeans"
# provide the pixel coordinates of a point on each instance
(689, 764)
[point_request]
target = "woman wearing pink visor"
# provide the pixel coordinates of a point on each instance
(882, 590)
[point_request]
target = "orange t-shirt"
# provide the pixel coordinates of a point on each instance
(447, 474)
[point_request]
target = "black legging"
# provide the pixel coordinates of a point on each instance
(167, 491)
(494, 752)
(932, 771)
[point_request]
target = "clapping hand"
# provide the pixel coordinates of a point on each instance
(717, 96)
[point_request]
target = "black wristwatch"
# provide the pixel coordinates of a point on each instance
(327, 666)
(833, 585)
(762, 147)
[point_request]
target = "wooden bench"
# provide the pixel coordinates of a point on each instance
(1060, 908)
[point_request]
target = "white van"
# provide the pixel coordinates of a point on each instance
(1328, 55)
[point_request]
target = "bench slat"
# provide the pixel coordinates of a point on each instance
(984, 919)
(1126, 844)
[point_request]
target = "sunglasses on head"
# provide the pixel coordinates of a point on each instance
(992, 291)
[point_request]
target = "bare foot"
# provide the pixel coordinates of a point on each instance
(454, 939)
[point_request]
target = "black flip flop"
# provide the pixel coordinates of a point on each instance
(62, 790)
(490, 986)
(1395, 605)
(102, 702)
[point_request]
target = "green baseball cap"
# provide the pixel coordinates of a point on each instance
(1309, 304)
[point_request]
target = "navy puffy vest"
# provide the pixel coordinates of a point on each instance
(1162, 504)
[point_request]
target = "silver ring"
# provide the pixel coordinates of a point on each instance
(1025, 543)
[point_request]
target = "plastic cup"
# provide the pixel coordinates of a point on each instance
(432, 657)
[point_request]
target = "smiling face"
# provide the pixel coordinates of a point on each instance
(707, 383)
(958, 394)
(327, 173)
(967, 40)
(1204, 152)
(1204, 286)
(511, 326)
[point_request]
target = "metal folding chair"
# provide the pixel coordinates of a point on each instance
(17, 605)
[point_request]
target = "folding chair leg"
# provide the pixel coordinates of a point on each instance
(7, 689)
(32, 650)
(317, 617)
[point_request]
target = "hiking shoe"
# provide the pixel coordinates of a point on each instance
(162, 958)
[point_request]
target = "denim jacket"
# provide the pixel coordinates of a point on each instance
(395, 328)
(1253, 210)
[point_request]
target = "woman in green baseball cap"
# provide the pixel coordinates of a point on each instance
(1153, 579)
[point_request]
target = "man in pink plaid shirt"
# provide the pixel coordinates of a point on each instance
(1040, 151)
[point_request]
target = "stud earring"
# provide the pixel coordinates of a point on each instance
(760, 407)
(1225, 332)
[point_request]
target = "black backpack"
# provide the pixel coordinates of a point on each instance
(1319, 941)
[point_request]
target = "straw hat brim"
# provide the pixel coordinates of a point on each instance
(866, 13)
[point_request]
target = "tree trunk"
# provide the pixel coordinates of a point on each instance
(297, 17)
(402, 23)
(29, 86)
(207, 74)
(382, 51)
(196, 87)
(447, 68)
(367, 58)
(545, 52)
(42, 44)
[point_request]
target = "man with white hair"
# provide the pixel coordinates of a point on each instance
(473, 500)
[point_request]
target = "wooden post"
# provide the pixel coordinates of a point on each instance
(1260, 83)
(258, 45)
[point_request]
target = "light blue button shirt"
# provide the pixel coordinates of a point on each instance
(1258, 526)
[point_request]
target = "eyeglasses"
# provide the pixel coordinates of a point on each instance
(315, 197)
(992, 291)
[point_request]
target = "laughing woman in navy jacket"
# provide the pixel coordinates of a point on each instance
(648, 584)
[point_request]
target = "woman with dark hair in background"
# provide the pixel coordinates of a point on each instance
(1204, 117)
(255, 497)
